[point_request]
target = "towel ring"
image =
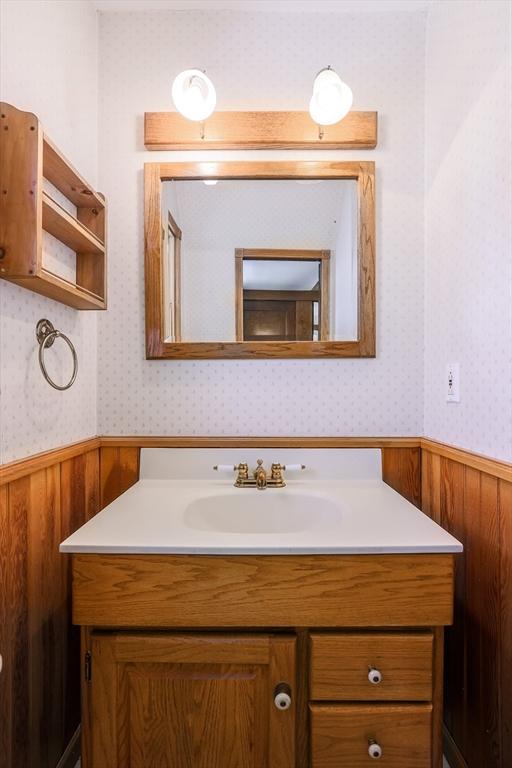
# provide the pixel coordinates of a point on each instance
(46, 335)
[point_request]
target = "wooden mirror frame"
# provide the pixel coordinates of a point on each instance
(155, 173)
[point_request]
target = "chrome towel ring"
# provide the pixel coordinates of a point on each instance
(46, 335)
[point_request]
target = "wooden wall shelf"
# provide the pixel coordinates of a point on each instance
(62, 175)
(67, 229)
(258, 130)
(27, 158)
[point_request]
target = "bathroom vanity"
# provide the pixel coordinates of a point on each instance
(299, 627)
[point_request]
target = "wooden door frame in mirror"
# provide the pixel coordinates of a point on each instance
(173, 228)
(156, 173)
(280, 254)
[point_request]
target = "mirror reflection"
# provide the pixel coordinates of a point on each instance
(260, 260)
(283, 295)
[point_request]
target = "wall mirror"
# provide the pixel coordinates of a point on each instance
(260, 259)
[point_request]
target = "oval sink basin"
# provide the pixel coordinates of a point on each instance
(260, 512)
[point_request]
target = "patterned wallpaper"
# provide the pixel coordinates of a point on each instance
(48, 66)
(468, 286)
(268, 61)
(262, 60)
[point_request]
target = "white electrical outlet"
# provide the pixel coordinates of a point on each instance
(453, 383)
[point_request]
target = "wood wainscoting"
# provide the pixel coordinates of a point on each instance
(46, 497)
(42, 500)
(471, 497)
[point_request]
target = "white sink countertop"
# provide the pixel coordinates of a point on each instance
(171, 516)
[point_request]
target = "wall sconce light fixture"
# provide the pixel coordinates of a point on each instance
(193, 94)
(331, 99)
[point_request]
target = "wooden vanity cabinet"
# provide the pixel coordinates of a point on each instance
(183, 655)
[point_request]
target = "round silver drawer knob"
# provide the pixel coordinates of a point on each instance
(375, 750)
(374, 676)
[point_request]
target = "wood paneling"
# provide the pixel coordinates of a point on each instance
(49, 495)
(262, 591)
(505, 602)
(39, 683)
(431, 486)
(476, 507)
(401, 469)
(46, 622)
(258, 130)
(6, 683)
(80, 500)
(183, 441)
(494, 467)
(15, 620)
(22, 467)
(119, 469)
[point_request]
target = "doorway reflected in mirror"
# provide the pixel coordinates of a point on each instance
(282, 295)
(297, 279)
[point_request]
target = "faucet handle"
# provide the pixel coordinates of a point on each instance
(242, 469)
(276, 473)
(278, 469)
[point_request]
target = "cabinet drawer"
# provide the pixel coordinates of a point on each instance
(341, 735)
(371, 666)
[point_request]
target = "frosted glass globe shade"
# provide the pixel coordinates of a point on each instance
(331, 99)
(194, 95)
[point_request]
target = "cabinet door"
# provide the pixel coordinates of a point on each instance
(191, 701)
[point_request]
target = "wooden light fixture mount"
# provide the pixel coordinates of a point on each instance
(258, 130)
